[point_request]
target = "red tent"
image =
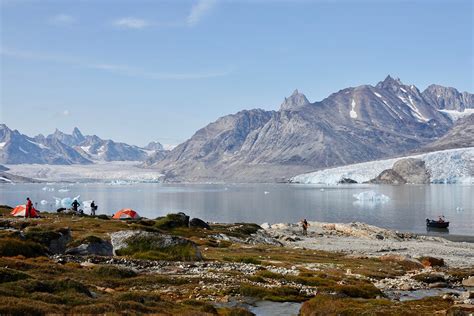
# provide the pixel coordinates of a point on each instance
(20, 210)
(126, 213)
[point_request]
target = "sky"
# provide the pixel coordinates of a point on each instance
(143, 70)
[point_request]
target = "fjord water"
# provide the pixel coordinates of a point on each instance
(407, 209)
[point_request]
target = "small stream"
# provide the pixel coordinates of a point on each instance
(264, 308)
(419, 294)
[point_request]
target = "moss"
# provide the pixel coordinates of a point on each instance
(44, 235)
(15, 306)
(90, 239)
(110, 271)
(279, 294)
(10, 275)
(357, 290)
(10, 247)
(150, 249)
(429, 278)
(332, 305)
(243, 260)
(171, 221)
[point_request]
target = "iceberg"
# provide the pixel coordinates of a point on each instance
(66, 202)
(371, 196)
(44, 202)
(63, 190)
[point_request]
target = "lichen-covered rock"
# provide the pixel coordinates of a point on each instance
(54, 240)
(432, 261)
(412, 170)
(94, 246)
(173, 221)
(405, 261)
(151, 245)
(469, 282)
(198, 223)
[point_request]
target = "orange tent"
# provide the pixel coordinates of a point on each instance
(126, 213)
(20, 210)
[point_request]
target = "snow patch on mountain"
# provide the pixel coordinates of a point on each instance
(456, 115)
(353, 113)
(446, 166)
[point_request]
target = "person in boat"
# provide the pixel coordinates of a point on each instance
(29, 206)
(75, 205)
(93, 208)
(304, 224)
(440, 219)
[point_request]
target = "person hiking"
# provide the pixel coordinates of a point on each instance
(75, 205)
(93, 208)
(304, 224)
(29, 206)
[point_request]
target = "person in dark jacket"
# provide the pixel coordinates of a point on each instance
(93, 208)
(305, 224)
(29, 206)
(75, 205)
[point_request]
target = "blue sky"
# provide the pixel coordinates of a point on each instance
(137, 71)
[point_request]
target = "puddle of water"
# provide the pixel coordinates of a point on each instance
(419, 294)
(265, 308)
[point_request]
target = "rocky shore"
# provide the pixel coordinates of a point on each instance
(175, 265)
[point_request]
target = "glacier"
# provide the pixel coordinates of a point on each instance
(445, 166)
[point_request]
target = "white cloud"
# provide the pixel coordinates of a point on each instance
(119, 69)
(62, 19)
(131, 23)
(199, 10)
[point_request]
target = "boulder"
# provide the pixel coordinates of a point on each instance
(388, 176)
(461, 310)
(412, 170)
(469, 282)
(346, 181)
(94, 246)
(407, 262)
(173, 221)
(431, 261)
(54, 240)
(198, 223)
(151, 245)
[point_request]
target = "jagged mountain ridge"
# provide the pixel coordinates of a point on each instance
(352, 125)
(64, 149)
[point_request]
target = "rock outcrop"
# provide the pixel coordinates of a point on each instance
(409, 170)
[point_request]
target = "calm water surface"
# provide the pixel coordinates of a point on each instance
(407, 209)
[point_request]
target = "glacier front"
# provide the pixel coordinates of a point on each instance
(446, 166)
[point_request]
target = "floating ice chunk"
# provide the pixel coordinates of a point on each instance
(48, 189)
(63, 190)
(266, 226)
(266, 192)
(371, 196)
(459, 209)
(44, 202)
(67, 202)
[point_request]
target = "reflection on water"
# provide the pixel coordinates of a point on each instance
(407, 209)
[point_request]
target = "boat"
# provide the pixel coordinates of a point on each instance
(441, 223)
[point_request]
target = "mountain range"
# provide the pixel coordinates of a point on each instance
(356, 124)
(64, 149)
(353, 125)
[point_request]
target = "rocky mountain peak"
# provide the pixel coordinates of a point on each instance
(390, 83)
(295, 100)
(76, 133)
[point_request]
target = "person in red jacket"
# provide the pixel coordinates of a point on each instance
(29, 206)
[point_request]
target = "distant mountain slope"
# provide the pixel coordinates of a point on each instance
(16, 148)
(461, 135)
(353, 125)
(63, 149)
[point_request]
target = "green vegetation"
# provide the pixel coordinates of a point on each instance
(279, 294)
(332, 305)
(10, 247)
